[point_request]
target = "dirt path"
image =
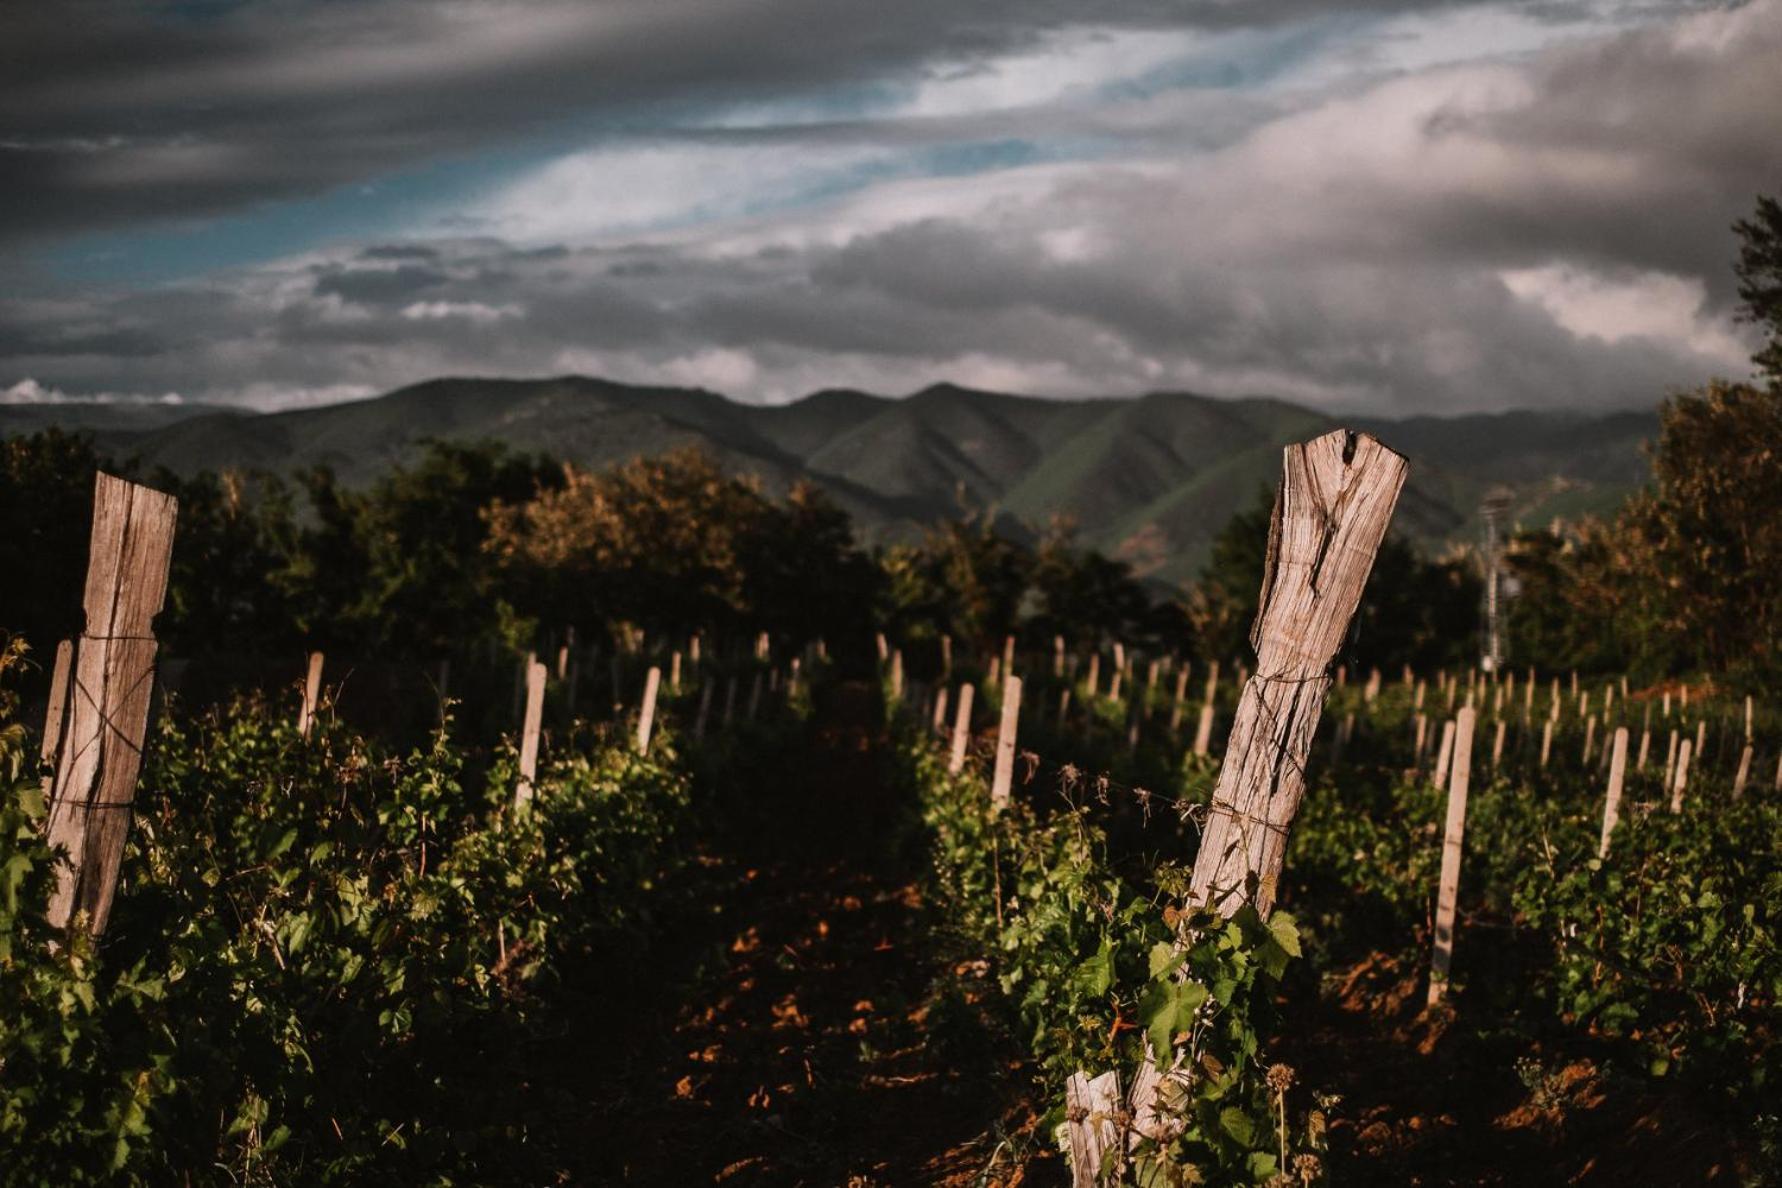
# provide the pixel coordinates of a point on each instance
(803, 1050)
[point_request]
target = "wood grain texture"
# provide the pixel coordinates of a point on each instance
(1092, 1106)
(108, 701)
(1335, 501)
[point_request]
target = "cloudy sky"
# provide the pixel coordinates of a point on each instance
(1385, 205)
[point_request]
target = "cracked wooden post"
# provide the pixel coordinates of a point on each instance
(55, 717)
(646, 716)
(312, 694)
(1453, 840)
(961, 730)
(107, 715)
(535, 687)
(1617, 777)
(1331, 513)
(1004, 776)
(940, 710)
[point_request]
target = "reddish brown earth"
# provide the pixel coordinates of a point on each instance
(1434, 1097)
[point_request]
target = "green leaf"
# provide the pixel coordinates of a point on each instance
(1238, 1125)
(1164, 957)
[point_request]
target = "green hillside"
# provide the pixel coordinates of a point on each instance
(1150, 479)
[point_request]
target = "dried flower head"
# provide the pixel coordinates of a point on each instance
(1279, 1078)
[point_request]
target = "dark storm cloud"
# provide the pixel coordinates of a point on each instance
(118, 113)
(1537, 232)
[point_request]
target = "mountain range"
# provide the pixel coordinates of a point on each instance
(1149, 479)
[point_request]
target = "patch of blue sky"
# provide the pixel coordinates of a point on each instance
(1246, 60)
(394, 206)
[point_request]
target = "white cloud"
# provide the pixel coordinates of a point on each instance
(468, 311)
(29, 391)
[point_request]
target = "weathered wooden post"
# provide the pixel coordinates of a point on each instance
(1497, 746)
(1453, 838)
(1094, 679)
(940, 710)
(1008, 655)
(1744, 773)
(99, 752)
(1058, 656)
(646, 716)
(312, 694)
(1617, 777)
(1175, 713)
(1003, 778)
(55, 717)
(1546, 742)
(1331, 512)
(1092, 1111)
(961, 730)
(529, 731)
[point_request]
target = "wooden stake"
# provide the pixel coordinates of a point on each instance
(1681, 781)
(1612, 802)
(1443, 753)
(1744, 772)
(1645, 748)
(1003, 779)
(940, 710)
(100, 751)
(1091, 1110)
(1331, 512)
(535, 687)
(961, 730)
(1546, 742)
(312, 693)
(1094, 679)
(705, 709)
(1448, 892)
(1203, 731)
(1497, 746)
(646, 717)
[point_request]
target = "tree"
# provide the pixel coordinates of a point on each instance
(1706, 537)
(1759, 270)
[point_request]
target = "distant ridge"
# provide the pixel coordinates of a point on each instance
(1150, 479)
